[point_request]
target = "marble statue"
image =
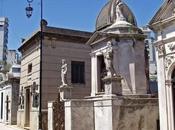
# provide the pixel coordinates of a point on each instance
(108, 59)
(21, 99)
(64, 72)
(119, 15)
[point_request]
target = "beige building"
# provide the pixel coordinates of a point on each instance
(57, 44)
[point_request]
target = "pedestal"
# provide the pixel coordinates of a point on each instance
(65, 92)
(112, 85)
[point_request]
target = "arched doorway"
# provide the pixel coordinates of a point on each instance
(173, 92)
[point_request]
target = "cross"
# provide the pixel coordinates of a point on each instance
(7, 106)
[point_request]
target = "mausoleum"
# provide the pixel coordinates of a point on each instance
(119, 97)
(163, 24)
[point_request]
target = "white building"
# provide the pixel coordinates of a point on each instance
(163, 24)
(3, 38)
(9, 91)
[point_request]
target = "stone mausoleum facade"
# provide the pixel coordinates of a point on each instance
(57, 44)
(9, 91)
(119, 97)
(163, 24)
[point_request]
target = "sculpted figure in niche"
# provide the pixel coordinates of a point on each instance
(119, 15)
(108, 59)
(21, 99)
(64, 72)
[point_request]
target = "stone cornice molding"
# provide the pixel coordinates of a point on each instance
(164, 41)
(162, 23)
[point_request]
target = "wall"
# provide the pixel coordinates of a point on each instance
(14, 101)
(30, 55)
(122, 113)
(53, 53)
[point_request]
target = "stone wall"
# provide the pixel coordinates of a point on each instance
(14, 107)
(51, 70)
(20, 118)
(116, 113)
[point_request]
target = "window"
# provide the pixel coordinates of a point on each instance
(16, 70)
(78, 72)
(29, 68)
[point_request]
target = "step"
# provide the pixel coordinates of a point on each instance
(26, 128)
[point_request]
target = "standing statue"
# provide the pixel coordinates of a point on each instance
(21, 99)
(108, 59)
(119, 14)
(64, 72)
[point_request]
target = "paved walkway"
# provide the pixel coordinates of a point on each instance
(8, 127)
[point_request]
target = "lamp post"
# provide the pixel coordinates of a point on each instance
(29, 11)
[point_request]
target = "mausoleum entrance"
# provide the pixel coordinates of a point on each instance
(27, 108)
(7, 108)
(101, 72)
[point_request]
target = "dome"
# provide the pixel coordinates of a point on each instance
(114, 10)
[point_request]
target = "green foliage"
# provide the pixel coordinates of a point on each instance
(4, 67)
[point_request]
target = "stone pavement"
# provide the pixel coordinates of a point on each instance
(8, 127)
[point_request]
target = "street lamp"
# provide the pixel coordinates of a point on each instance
(29, 11)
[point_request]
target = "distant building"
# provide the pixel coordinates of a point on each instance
(3, 38)
(9, 91)
(149, 41)
(12, 57)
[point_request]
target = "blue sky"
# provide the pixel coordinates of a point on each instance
(73, 14)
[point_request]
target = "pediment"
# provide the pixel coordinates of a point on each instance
(167, 10)
(96, 37)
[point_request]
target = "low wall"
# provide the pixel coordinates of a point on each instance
(112, 113)
(33, 119)
(20, 118)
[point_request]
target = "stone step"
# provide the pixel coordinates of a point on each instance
(26, 128)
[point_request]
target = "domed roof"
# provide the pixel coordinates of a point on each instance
(114, 10)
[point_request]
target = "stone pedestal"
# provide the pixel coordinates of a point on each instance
(112, 85)
(65, 92)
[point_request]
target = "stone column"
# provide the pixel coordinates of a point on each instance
(94, 75)
(50, 116)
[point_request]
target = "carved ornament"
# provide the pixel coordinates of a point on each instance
(168, 61)
(171, 47)
(160, 49)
